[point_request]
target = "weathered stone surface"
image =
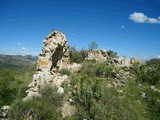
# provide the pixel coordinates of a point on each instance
(54, 56)
(122, 61)
(74, 67)
(4, 112)
(42, 62)
(97, 55)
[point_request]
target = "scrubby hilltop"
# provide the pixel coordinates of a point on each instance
(88, 84)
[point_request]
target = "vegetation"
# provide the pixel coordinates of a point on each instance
(64, 71)
(112, 54)
(17, 63)
(95, 101)
(77, 56)
(137, 99)
(148, 76)
(93, 46)
(7, 88)
(41, 108)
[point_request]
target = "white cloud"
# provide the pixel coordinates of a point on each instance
(153, 20)
(19, 44)
(25, 49)
(158, 56)
(122, 26)
(142, 18)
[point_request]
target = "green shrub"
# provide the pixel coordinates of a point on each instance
(64, 71)
(40, 108)
(153, 103)
(8, 89)
(50, 94)
(91, 68)
(22, 91)
(87, 95)
(112, 54)
(94, 101)
(77, 56)
(136, 102)
(147, 73)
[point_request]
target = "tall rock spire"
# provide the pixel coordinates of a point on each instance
(54, 56)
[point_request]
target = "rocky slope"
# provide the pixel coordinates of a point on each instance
(55, 56)
(84, 86)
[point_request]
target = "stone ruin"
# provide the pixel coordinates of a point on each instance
(102, 56)
(54, 56)
(97, 55)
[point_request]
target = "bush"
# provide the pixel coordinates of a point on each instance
(91, 68)
(153, 103)
(87, 95)
(64, 71)
(147, 73)
(8, 90)
(50, 94)
(112, 54)
(39, 108)
(94, 101)
(77, 56)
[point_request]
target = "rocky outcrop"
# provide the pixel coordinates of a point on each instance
(4, 112)
(54, 56)
(97, 55)
(102, 56)
(122, 61)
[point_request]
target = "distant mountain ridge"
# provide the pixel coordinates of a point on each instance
(17, 62)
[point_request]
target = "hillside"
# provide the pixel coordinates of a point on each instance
(17, 62)
(70, 84)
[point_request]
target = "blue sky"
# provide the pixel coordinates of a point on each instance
(129, 27)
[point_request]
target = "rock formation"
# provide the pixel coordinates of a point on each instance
(4, 112)
(97, 55)
(54, 56)
(102, 56)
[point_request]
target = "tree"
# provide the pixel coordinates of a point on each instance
(92, 46)
(112, 54)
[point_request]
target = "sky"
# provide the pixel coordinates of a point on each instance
(129, 27)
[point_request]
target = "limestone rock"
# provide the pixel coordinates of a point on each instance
(97, 55)
(53, 57)
(4, 112)
(74, 67)
(121, 61)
